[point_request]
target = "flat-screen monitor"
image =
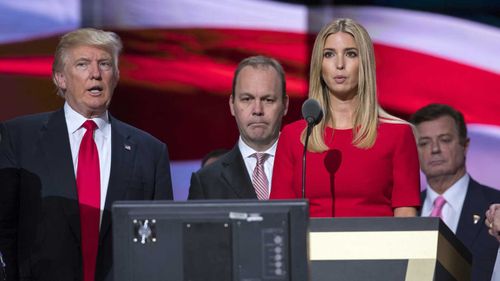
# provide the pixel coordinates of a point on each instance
(203, 240)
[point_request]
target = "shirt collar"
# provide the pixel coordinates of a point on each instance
(74, 120)
(247, 151)
(455, 195)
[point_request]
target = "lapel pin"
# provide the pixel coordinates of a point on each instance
(476, 218)
(127, 147)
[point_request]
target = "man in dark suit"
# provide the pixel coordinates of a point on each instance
(61, 171)
(451, 193)
(212, 156)
(258, 103)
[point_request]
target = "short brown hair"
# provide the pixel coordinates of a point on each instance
(434, 111)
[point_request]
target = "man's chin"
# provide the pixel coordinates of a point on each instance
(260, 139)
(258, 129)
(436, 173)
(258, 133)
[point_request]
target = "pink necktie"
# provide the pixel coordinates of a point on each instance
(89, 193)
(259, 179)
(438, 206)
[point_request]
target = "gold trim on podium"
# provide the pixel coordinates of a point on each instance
(373, 245)
(451, 259)
(420, 269)
(422, 249)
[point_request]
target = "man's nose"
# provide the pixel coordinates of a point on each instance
(258, 108)
(95, 71)
(435, 147)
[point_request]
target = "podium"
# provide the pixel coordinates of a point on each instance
(386, 249)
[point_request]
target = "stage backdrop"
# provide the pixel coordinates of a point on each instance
(179, 58)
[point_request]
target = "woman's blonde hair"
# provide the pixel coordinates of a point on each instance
(367, 114)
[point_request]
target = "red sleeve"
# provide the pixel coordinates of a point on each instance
(406, 171)
(284, 162)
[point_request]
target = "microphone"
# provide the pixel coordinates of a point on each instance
(312, 113)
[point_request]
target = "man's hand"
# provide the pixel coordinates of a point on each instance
(492, 221)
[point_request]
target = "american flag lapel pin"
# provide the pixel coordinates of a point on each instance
(476, 218)
(128, 147)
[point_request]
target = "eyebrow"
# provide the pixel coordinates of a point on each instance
(346, 49)
(89, 59)
(245, 94)
(254, 96)
(440, 135)
(267, 96)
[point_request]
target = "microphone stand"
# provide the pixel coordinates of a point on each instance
(3, 273)
(310, 125)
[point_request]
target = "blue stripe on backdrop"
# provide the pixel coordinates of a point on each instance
(484, 11)
(25, 19)
(181, 175)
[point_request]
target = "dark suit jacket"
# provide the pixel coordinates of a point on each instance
(40, 225)
(226, 178)
(475, 235)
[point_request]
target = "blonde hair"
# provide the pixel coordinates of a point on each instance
(367, 113)
(106, 40)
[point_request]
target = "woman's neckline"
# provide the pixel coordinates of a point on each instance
(342, 130)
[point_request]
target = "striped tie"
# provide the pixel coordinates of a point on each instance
(259, 179)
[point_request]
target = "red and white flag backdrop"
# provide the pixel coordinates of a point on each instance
(179, 58)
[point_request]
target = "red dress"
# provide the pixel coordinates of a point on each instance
(346, 181)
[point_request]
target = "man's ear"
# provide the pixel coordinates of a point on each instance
(60, 80)
(116, 78)
(231, 104)
(466, 145)
(285, 103)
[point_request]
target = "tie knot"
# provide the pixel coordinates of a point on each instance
(439, 201)
(261, 157)
(89, 125)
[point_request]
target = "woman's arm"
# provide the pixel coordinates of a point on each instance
(406, 174)
(405, 212)
(283, 170)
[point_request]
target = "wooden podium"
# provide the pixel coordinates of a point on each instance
(386, 249)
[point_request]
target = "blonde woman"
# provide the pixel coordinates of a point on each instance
(361, 160)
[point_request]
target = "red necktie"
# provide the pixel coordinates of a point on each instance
(88, 183)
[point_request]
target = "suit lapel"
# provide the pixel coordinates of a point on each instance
(467, 230)
(235, 174)
(423, 194)
(123, 151)
(56, 150)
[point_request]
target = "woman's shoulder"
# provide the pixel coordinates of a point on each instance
(295, 127)
(396, 131)
(394, 124)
